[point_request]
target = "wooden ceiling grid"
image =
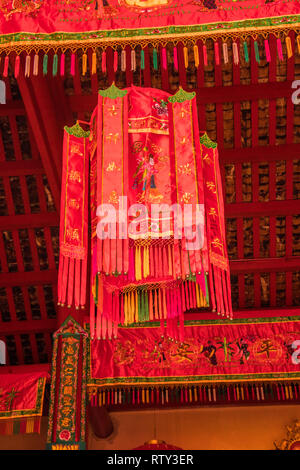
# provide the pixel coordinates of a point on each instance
(246, 107)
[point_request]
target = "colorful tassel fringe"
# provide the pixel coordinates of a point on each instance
(196, 394)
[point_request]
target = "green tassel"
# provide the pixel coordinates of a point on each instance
(246, 52)
(206, 289)
(142, 59)
(139, 306)
(155, 64)
(146, 307)
(45, 64)
(142, 306)
(54, 66)
(256, 52)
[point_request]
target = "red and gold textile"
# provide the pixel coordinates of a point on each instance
(74, 218)
(21, 402)
(67, 410)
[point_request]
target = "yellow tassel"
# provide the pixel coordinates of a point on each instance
(143, 395)
(298, 43)
(138, 264)
(132, 307)
(164, 303)
(84, 64)
(147, 395)
(148, 261)
(198, 300)
(196, 56)
(186, 57)
(103, 397)
(289, 49)
(94, 63)
(286, 392)
(145, 262)
(291, 391)
(237, 392)
(100, 399)
(190, 395)
(242, 392)
(195, 394)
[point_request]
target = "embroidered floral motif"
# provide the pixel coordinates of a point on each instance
(10, 7)
(185, 169)
(112, 167)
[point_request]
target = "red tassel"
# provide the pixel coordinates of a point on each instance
(164, 58)
(64, 280)
(60, 277)
(217, 53)
(204, 54)
(175, 55)
(6, 64)
(83, 282)
(115, 61)
(103, 62)
(77, 283)
(72, 69)
(62, 65)
(17, 66)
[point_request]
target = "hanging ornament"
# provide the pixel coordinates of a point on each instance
(142, 59)
(103, 62)
(235, 53)
(279, 49)
(289, 49)
(196, 55)
(133, 60)
(155, 61)
(298, 43)
(164, 58)
(217, 53)
(17, 66)
(175, 57)
(36, 65)
(204, 54)
(246, 52)
(72, 69)
(186, 57)
(6, 64)
(225, 52)
(94, 62)
(62, 64)
(84, 64)
(256, 50)
(55, 65)
(267, 49)
(123, 60)
(115, 61)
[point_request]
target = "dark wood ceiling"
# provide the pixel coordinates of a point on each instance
(246, 108)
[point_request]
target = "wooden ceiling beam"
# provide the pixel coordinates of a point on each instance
(47, 219)
(29, 278)
(21, 168)
(260, 153)
(275, 208)
(265, 265)
(28, 327)
(42, 118)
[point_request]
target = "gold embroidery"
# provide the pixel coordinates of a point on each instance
(75, 148)
(113, 198)
(186, 198)
(207, 159)
(211, 186)
(113, 137)
(217, 243)
(213, 213)
(73, 203)
(112, 166)
(73, 233)
(185, 169)
(75, 176)
(113, 110)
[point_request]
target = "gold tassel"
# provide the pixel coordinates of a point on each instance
(100, 398)
(298, 43)
(94, 62)
(190, 395)
(147, 395)
(138, 269)
(198, 300)
(289, 49)
(84, 64)
(186, 57)
(143, 395)
(103, 397)
(286, 392)
(196, 55)
(146, 261)
(195, 394)
(132, 307)
(291, 392)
